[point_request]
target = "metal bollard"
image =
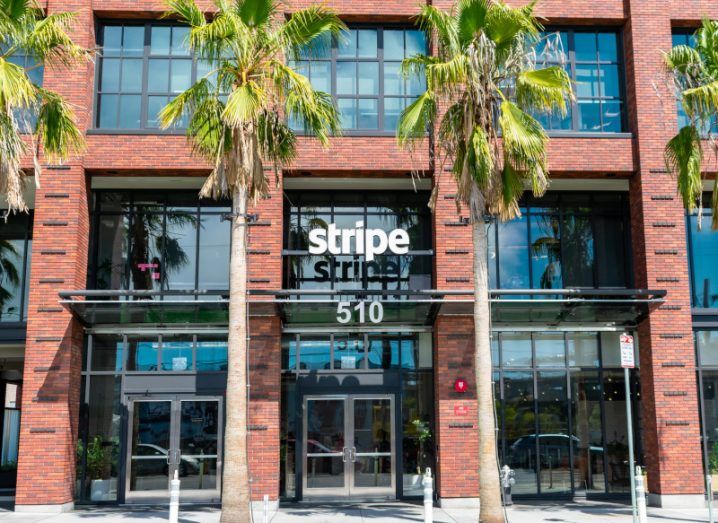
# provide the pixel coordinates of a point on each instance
(641, 497)
(174, 498)
(265, 513)
(508, 478)
(428, 483)
(709, 493)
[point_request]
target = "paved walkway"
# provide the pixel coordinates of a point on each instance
(374, 513)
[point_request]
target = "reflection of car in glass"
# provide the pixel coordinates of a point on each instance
(187, 465)
(553, 450)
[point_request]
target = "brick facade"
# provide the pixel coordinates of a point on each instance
(54, 339)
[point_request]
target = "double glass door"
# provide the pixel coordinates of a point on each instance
(168, 435)
(349, 444)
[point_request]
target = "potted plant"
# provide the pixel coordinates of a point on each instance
(98, 464)
(422, 435)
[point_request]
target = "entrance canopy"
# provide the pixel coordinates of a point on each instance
(351, 308)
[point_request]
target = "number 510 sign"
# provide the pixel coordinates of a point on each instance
(374, 312)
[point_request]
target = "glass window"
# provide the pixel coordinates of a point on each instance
(211, 354)
(383, 351)
(142, 354)
(563, 239)
(315, 353)
(176, 354)
(583, 349)
(683, 37)
(107, 352)
(550, 350)
(15, 253)
(305, 211)
(363, 61)
(417, 429)
(707, 342)
(703, 251)
(141, 69)
(593, 61)
(26, 118)
(152, 240)
(515, 349)
(101, 448)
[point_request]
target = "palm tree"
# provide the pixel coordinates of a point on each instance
(486, 80)
(26, 31)
(694, 73)
(236, 121)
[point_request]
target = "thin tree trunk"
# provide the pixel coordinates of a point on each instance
(235, 488)
(491, 510)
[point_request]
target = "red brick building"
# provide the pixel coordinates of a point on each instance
(115, 333)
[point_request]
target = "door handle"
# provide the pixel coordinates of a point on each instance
(344, 454)
(353, 454)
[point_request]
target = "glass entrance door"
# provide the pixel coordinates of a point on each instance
(349, 447)
(174, 434)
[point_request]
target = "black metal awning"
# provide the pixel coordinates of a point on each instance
(306, 308)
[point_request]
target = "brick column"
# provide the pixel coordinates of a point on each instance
(51, 386)
(457, 436)
(265, 346)
(671, 425)
(51, 383)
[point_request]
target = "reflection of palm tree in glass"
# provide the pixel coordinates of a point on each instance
(302, 240)
(149, 240)
(9, 276)
(548, 245)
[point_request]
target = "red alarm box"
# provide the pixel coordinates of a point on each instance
(460, 385)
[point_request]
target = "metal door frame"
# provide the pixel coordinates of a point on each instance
(349, 490)
(188, 495)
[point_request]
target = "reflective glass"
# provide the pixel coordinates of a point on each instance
(198, 444)
(383, 351)
(110, 78)
(142, 354)
(102, 446)
(367, 113)
(368, 78)
(315, 353)
(131, 76)
(393, 44)
(513, 254)
(211, 355)
(710, 418)
(550, 350)
(516, 349)
(346, 78)
(707, 342)
(133, 41)
(608, 47)
(155, 104)
(614, 402)
(554, 439)
(180, 37)
(158, 75)
(179, 243)
(609, 81)
(415, 43)
(347, 46)
(214, 243)
(520, 430)
(130, 106)
(545, 251)
(324, 443)
(418, 442)
(583, 349)
(704, 269)
(367, 43)
(587, 85)
(589, 115)
(107, 352)
(578, 251)
(150, 445)
(160, 40)
(108, 111)
(587, 435)
(347, 112)
(321, 77)
(585, 45)
(611, 114)
(348, 352)
(112, 40)
(176, 354)
(289, 352)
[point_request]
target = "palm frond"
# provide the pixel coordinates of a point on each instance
(16, 89)
(544, 90)
(684, 158)
(185, 104)
(681, 58)
(15, 9)
(416, 118)
(49, 40)
(432, 19)
(480, 158)
(56, 127)
(186, 11)
(255, 12)
(445, 75)
(245, 104)
(471, 18)
(504, 23)
(11, 177)
(304, 28)
(701, 101)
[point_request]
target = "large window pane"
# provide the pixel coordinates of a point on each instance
(520, 430)
(15, 250)
(707, 342)
(102, 446)
(550, 350)
(214, 242)
(176, 353)
(578, 250)
(516, 349)
(179, 244)
(587, 436)
(315, 353)
(704, 253)
(142, 354)
(211, 354)
(417, 429)
(545, 251)
(513, 254)
(616, 429)
(107, 352)
(554, 438)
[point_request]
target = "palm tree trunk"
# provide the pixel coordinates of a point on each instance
(235, 488)
(489, 487)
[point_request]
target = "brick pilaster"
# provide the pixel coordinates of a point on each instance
(671, 428)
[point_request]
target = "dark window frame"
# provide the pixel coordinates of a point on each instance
(24, 270)
(571, 62)
(203, 207)
(381, 95)
(144, 92)
(533, 207)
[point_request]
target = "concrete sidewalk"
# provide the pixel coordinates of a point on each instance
(587, 512)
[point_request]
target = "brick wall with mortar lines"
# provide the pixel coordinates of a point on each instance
(671, 449)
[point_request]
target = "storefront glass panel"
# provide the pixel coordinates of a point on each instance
(15, 253)
(563, 430)
(703, 250)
